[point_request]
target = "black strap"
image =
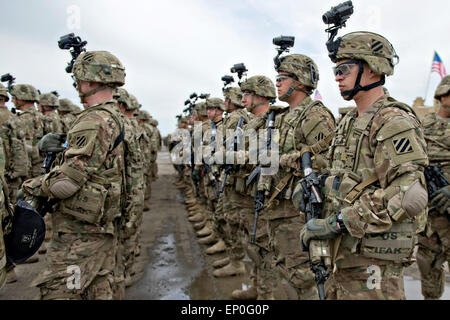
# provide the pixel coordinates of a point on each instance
(349, 94)
(119, 139)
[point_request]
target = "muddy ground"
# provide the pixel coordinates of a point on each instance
(172, 264)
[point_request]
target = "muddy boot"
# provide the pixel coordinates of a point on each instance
(234, 268)
(206, 231)
(11, 276)
(34, 258)
(209, 239)
(197, 217)
(217, 248)
(199, 225)
(221, 262)
(249, 294)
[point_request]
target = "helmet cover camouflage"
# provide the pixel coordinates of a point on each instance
(99, 66)
(76, 109)
(65, 105)
(48, 99)
(261, 86)
(215, 103)
(143, 115)
(134, 103)
(122, 96)
(234, 94)
(154, 122)
(200, 109)
(301, 66)
(443, 88)
(4, 92)
(25, 92)
(370, 47)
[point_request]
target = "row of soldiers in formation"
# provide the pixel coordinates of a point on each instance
(369, 173)
(98, 186)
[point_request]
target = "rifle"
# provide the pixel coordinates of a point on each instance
(435, 180)
(256, 173)
(311, 185)
(229, 167)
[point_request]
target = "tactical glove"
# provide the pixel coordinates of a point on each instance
(52, 142)
(320, 229)
(441, 199)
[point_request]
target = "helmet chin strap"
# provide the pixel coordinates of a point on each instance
(349, 94)
(253, 106)
(292, 87)
(83, 96)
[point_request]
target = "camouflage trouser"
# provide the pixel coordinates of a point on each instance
(432, 253)
(228, 224)
(79, 266)
(374, 282)
(290, 260)
(259, 252)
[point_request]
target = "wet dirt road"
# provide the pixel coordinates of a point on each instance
(172, 265)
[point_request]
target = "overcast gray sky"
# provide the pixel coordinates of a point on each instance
(173, 48)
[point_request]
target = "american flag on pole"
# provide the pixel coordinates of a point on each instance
(317, 96)
(438, 66)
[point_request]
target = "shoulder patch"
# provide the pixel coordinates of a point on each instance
(402, 145)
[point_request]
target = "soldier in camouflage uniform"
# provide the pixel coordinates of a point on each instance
(305, 125)
(228, 222)
(65, 114)
(48, 104)
(257, 93)
(157, 142)
(434, 243)
(24, 98)
(15, 166)
(149, 151)
(375, 196)
(87, 185)
(200, 215)
(212, 138)
(134, 176)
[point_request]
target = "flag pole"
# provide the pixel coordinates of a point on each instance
(428, 81)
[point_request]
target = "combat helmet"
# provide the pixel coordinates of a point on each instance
(49, 99)
(65, 105)
(200, 109)
(122, 96)
(261, 86)
(443, 88)
(215, 103)
(303, 68)
(154, 122)
(371, 48)
(99, 66)
(25, 92)
(143, 115)
(235, 95)
(4, 92)
(134, 103)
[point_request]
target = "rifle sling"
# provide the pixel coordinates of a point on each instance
(279, 188)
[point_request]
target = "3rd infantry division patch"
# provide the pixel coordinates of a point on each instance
(402, 145)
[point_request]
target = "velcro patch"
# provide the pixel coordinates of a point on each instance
(80, 141)
(402, 145)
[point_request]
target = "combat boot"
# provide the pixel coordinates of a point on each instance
(206, 231)
(221, 262)
(217, 248)
(234, 268)
(249, 294)
(196, 218)
(209, 239)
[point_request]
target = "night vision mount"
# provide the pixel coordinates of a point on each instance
(337, 16)
(227, 80)
(193, 99)
(283, 43)
(240, 69)
(8, 78)
(75, 45)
